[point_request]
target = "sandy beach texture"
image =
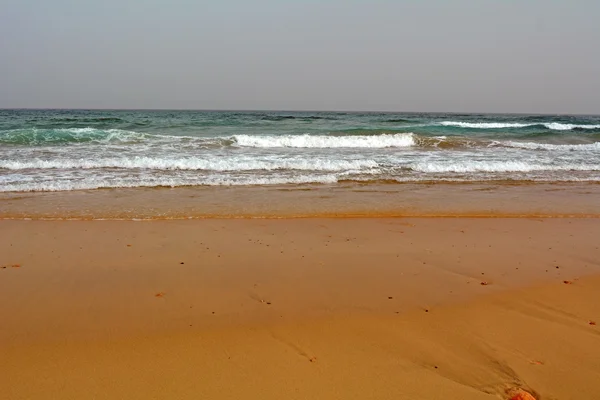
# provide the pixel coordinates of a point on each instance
(389, 308)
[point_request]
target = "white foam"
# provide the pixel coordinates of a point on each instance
(567, 127)
(547, 146)
(207, 164)
(318, 141)
(78, 130)
(484, 125)
(497, 166)
(104, 136)
(103, 183)
(557, 126)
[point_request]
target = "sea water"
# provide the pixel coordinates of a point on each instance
(66, 150)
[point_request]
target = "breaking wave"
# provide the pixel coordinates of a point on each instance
(194, 164)
(556, 126)
(34, 136)
(497, 166)
(548, 146)
(321, 141)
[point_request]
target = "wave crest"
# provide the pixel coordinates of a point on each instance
(195, 164)
(555, 126)
(548, 146)
(497, 166)
(320, 141)
(35, 136)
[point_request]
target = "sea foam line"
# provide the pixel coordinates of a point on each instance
(116, 183)
(320, 141)
(497, 166)
(557, 126)
(548, 146)
(199, 164)
(78, 135)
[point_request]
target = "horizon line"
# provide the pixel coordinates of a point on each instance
(288, 110)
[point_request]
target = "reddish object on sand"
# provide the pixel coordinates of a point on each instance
(521, 395)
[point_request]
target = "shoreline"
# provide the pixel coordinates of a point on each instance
(310, 201)
(317, 216)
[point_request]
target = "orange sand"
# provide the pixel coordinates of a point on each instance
(300, 309)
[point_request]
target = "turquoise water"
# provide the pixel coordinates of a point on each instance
(52, 150)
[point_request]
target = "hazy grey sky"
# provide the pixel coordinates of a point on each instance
(451, 55)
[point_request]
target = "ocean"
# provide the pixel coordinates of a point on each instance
(69, 150)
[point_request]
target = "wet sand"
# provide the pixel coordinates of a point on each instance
(477, 199)
(415, 308)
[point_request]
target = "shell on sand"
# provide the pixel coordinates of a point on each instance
(520, 394)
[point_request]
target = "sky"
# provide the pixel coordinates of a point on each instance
(527, 56)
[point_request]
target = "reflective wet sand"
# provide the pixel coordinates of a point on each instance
(341, 200)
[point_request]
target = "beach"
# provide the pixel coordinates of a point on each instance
(298, 255)
(299, 308)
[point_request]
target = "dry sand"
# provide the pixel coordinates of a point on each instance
(300, 309)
